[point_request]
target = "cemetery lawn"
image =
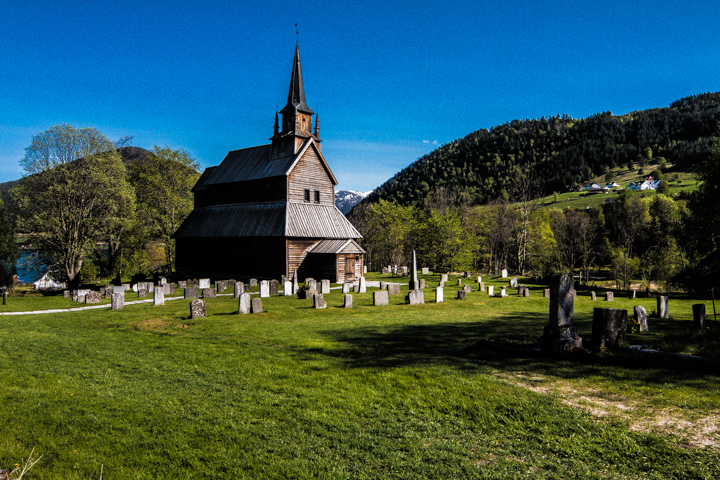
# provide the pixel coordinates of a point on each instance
(372, 392)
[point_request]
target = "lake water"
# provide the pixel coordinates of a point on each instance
(28, 269)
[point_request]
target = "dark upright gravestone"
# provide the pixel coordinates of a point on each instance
(699, 316)
(274, 290)
(608, 328)
(93, 297)
(192, 293)
(209, 293)
(560, 332)
(461, 294)
(256, 305)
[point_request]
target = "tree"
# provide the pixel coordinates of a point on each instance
(163, 185)
(74, 188)
(526, 193)
(576, 234)
(8, 249)
(442, 240)
(627, 220)
(388, 227)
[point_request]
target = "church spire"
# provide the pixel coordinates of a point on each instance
(296, 95)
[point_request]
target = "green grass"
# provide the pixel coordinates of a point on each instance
(372, 392)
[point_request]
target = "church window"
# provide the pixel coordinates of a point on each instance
(317, 196)
(307, 195)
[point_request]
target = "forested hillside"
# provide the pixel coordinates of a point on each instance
(558, 151)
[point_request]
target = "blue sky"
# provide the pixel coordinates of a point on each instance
(390, 80)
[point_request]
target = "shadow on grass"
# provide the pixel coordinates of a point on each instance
(507, 344)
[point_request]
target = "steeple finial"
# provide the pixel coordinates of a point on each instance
(296, 95)
(276, 129)
(317, 124)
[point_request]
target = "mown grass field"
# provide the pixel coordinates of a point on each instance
(372, 392)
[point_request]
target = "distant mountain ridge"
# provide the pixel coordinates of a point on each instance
(559, 151)
(345, 200)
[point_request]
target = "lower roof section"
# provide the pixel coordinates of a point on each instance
(272, 219)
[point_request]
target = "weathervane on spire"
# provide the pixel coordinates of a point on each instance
(297, 33)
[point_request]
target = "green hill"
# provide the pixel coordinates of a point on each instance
(561, 152)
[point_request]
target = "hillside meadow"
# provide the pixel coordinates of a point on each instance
(451, 390)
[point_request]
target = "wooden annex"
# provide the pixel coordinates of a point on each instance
(269, 210)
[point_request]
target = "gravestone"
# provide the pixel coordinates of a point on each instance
(560, 332)
(296, 285)
(393, 288)
(461, 294)
(159, 296)
(526, 292)
(425, 271)
(204, 283)
(308, 293)
(481, 287)
(383, 285)
(380, 298)
(93, 297)
(150, 287)
(220, 286)
(162, 281)
(404, 270)
(361, 284)
(135, 287)
(209, 293)
(311, 283)
(503, 292)
(182, 284)
(467, 288)
(593, 296)
(273, 287)
(415, 297)
(192, 293)
(324, 287)
(193, 282)
(264, 289)
(319, 301)
(504, 273)
(444, 277)
(197, 309)
(608, 328)
(459, 281)
(287, 288)
(439, 295)
(699, 318)
(244, 303)
(119, 289)
(662, 307)
(102, 291)
(491, 290)
(142, 293)
(239, 289)
(385, 270)
(348, 301)
(468, 274)
(253, 282)
(168, 288)
(441, 284)
(421, 284)
(109, 291)
(118, 301)
(520, 289)
(546, 293)
(414, 280)
(256, 305)
(479, 280)
(634, 294)
(346, 287)
(364, 269)
(609, 296)
(66, 293)
(641, 317)
(513, 282)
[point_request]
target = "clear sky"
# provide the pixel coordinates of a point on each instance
(391, 80)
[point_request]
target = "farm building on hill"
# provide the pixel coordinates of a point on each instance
(269, 210)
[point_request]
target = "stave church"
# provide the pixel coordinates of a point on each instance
(269, 210)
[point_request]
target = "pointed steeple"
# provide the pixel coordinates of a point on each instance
(317, 125)
(296, 95)
(276, 129)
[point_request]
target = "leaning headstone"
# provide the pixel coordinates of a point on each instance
(593, 295)
(699, 318)
(319, 301)
(609, 296)
(513, 282)
(346, 287)
(380, 298)
(239, 289)
(348, 301)
(287, 288)
(256, 305)
(415, 297)
(361, 284)
(421, 283)
(273, 287)
(253, 282)
(491, 290)
(142, 293)
(264, 289)
(324, 287)
(608, 328)
(546, 293)
(393, 288)
(560, 332)
(93, 297)
(461, 294)
(244, 303)
(504, 273)
(662, 307)
(209, 293)
(204, 283)
(197, 309)
(439, 295)
(192, 293)
(641, 318)
(118, 301)
(425, 271)
(159, 297)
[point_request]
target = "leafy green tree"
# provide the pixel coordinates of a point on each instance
(541, 252)
(74, 189)
(8, 249)
(442, 240)
(163, 185)
(388, 228)
(627, 220)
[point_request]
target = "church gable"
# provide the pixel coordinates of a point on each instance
(310, 180)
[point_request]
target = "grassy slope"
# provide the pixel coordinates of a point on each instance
(373, 392)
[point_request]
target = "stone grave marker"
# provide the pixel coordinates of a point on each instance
(662, 307)
(491, 290)
(641, 317)
(239, 289)
(467, 288)
(66, 293)
(415, 297)
(439, 295)
(311, 283)
(699, 318)
(560, 332)
(264, 289)
(197, 309)
(118, 301)
(159, 296)
(481, 287)
(192, 293)
(513, 282)
(526, 292)
(162, 281)
(546, 293)
(150, 287)
(414, 280)
(380, 298)
(425, 271)
(253, 282)
(296, 285)
(273, 287)
(503, 292)
(461, 294)
(256, 305)
(287, 288)
(404, 270)
(182, 284)
(634, 294)
(593, 296)
(204, 283)
(319, 301)
(209, 293)
(383, 285)
(444, 277)
(479, 280)
(504, 273)
(308, 293)
(441, 284)
(93, 297)
(385, 270)
(608, 328)
(324, 287)
(142, 293)
(244, 303)
(361, 285)
(459, 281)
(421, 283)
(348, 301)
(346, 287)
(393, 288)
(220, 286)
(609, 296)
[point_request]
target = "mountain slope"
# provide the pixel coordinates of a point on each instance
(345, 200)
(558, 151)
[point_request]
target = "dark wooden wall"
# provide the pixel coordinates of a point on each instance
(263, 190)
(239, 258)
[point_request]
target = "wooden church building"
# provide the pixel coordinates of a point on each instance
(269, 210)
